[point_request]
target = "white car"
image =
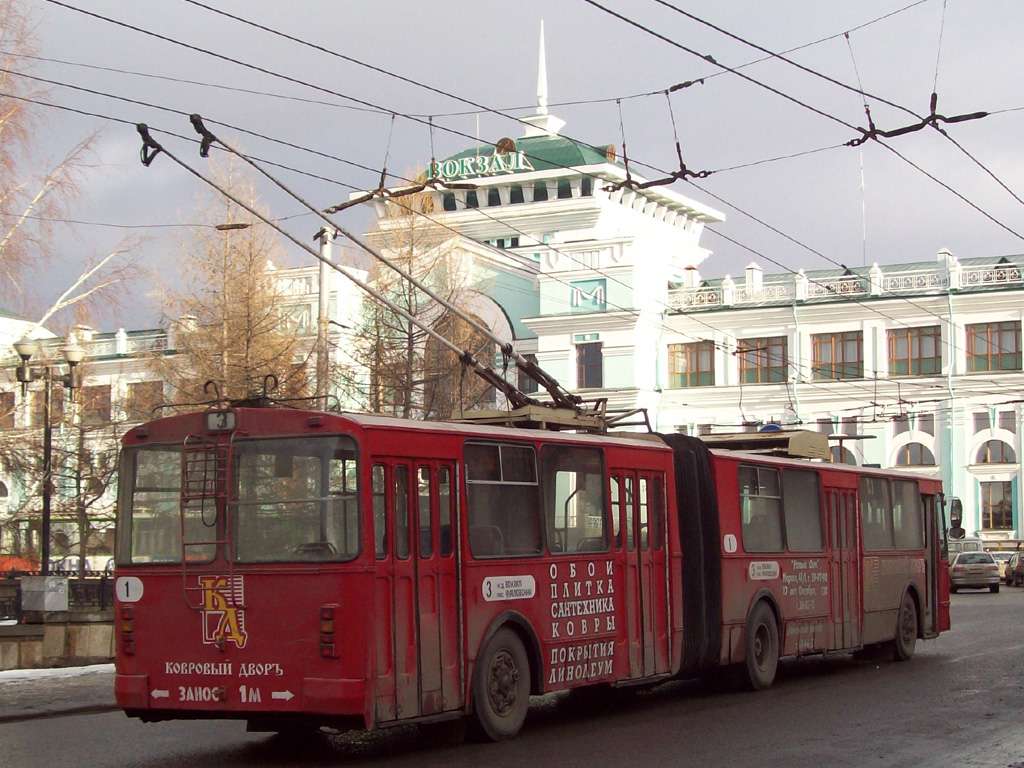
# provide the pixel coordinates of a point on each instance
(974, 570)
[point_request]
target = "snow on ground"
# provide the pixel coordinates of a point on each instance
(12, 675)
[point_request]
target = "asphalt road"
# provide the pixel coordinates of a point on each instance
(959, 702)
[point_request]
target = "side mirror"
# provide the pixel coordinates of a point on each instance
(956, 512)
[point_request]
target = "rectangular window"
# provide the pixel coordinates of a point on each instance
(527, 385)
(574, 499)
(915, 351)
(446, 502)
(402, 512)
(96, 405)
(838, 355)
(651, 501)
(876, 514)
(763, 360)
(6, 410)
(589, 366)
(691, 365)
(993, 346)
(982, 422)
(142, 398)
(294, 500)
(802, 507)
(380, 529)
(426, 541)
(37, 406)
(997, 506)
(907, 515)
(760, 509)
(502, 505)
(150, 490)
(1008, 421)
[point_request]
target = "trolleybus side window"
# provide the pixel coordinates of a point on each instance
(295, 500)
(574, 505)
(907, 514)
(801, 501)
(380, 529)
(760, 508)
(503, 510)
(402, 511)
(876, 514)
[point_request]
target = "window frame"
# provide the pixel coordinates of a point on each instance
(990, 361)
(911, 361)
(838, 367)
(686, 364)
(590, 365)
(760, 351)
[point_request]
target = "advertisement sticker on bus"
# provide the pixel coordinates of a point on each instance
(223, 612)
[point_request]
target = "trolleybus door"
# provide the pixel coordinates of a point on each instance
(417, 663)
(842, 522)
(644, 574)
(436, 605)
(931, 557)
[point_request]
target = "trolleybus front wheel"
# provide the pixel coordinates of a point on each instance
(762, 647)
(501, 686)
(906, 630)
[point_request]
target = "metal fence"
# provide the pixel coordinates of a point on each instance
(83, 595)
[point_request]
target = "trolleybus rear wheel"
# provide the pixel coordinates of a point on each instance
(906, 630)
(762, 647)
(501, 686)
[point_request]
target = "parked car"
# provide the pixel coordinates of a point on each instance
(1016, 571)
(1002, 558)
(1008, 569)
(974, 570)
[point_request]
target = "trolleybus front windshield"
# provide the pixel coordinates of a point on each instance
(291, 500)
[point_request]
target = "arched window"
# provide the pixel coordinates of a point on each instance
(914, 455)
(996, 452)
(4, 493)
(841, 455)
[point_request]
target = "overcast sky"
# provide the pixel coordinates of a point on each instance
(808, 211)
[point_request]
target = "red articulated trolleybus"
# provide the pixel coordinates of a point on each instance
(297, 568)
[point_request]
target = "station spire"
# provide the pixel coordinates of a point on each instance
(542, 123)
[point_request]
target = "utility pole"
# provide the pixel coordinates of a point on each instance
(323, 356)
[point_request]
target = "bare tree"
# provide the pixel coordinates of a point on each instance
(36, 193)
(231, 321)
(409, 374)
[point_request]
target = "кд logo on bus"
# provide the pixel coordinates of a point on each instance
(223, 612)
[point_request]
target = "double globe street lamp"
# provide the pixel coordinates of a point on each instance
(72, 380)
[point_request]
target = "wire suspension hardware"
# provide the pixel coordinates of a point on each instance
(150, 149)
(933, 119)
(683, 173)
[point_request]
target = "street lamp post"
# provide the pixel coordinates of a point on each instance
(73, 355)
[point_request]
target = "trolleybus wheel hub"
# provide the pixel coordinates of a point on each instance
(504, 677)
